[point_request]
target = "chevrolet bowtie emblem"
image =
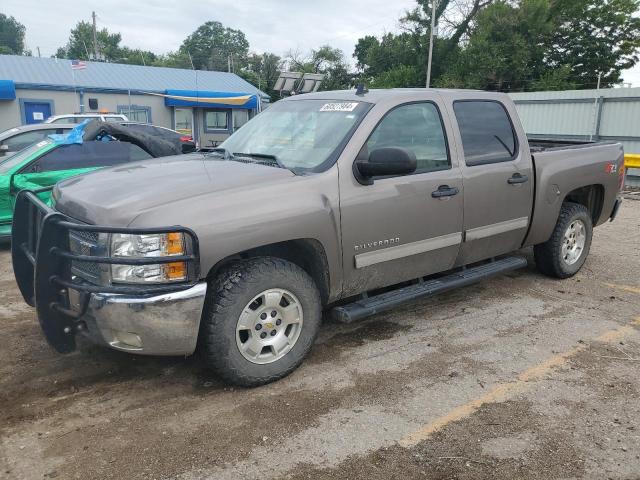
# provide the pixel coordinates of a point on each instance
(269, 325)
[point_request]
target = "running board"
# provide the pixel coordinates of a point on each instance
(386, 301)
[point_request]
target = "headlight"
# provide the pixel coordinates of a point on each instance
(145, 246)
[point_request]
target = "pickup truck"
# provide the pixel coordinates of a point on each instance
(345, 202)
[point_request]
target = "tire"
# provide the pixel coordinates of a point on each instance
(240, 295)
(550, 258)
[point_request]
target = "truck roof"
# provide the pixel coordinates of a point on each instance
(382, 95)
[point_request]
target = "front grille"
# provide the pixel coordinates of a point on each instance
(86, 243)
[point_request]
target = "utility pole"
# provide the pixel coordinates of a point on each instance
(38, 49)
(596, 114)
(95, 37)
(431, 36)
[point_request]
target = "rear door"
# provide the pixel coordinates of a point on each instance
(498, 179)
(401, 228)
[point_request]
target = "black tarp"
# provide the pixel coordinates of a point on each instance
(152, 144)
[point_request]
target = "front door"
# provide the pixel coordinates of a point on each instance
(401, 228)
(36, 112)
(498, 180)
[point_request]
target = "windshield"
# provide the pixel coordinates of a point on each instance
(19, 157)
(303, 135)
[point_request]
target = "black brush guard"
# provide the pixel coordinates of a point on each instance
(42, 266)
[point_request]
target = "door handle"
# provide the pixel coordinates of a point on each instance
(517, 178)
(445, 191)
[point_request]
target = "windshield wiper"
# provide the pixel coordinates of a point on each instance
(263, 156)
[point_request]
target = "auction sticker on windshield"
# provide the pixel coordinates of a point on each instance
(339, 107)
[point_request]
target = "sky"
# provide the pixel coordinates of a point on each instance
(275, 26)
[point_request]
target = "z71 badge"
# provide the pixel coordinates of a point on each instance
(611, 168)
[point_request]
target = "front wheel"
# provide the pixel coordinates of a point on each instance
(261, 318)
(563, 255)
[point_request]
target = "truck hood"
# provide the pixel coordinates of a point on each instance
(116, 196)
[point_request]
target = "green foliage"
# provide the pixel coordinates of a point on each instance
(80, 44)
(400, 76)
(213, 45)
(326, 60)
(594, 36)
(136, 56)
(262, 71)
(505, 47)
(11, 36)
(555, 79)
(508, 45)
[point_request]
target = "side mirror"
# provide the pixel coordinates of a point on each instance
(386, 161)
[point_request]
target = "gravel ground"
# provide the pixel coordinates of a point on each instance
(517, 377)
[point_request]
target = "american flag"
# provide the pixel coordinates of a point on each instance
(78, 65)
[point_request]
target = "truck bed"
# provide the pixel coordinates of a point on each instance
(563, 166)
(537, 145)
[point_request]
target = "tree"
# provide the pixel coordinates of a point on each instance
(262, 71)
(547, 45)
(326, 60)
(592, 37)
(505, 49)
(11, 36)
(136, 56)
(213, 46)
(401, 76)
(381, 61)
(80, 44)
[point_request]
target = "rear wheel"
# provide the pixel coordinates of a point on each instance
(563, 255)
(261, 319)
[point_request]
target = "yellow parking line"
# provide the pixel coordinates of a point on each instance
(503, 391)
(626, 288)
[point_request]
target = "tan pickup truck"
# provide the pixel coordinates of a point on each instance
(344, 202)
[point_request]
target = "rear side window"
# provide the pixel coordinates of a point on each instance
(487, 132)
(416, 127)
(88, 155)
(23, 140)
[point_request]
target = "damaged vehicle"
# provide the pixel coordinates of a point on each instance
(348, 203)
(55, 157)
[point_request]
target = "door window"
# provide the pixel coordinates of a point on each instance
(418, 128)
(135, 113)
(87, 155)
(215, 120)
(184, 121)
(486, 131)
(240, 117)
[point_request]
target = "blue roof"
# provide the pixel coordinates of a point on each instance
(57, 73)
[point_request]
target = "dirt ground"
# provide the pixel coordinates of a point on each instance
(517, 377)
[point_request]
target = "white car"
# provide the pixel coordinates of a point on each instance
(81, 117)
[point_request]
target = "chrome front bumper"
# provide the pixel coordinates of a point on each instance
(161, 324)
